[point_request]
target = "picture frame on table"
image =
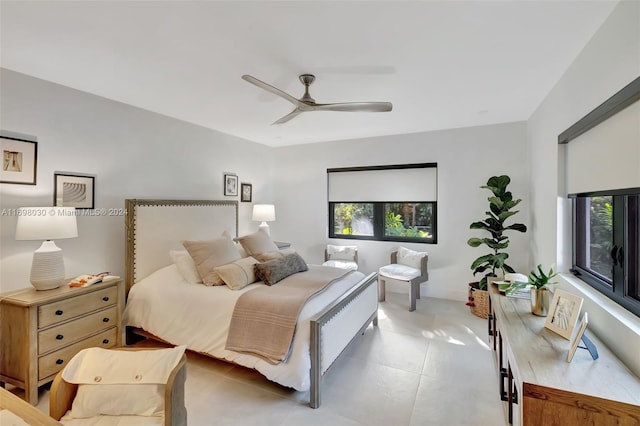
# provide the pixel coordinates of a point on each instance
(578, 336)
(230, 184)
(19, 161)
(246, 190)
(563, 313)
(74, 190)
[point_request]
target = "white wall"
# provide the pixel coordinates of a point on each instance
(466, 159)
(133, 153)
(607, 63)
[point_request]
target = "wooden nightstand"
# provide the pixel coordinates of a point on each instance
(42, 330)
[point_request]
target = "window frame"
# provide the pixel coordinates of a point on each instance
(621, 290)
(379, 223)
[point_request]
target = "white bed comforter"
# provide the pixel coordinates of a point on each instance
(198, 316)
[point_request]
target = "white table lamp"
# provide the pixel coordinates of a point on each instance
(46, 223)
(264, 213)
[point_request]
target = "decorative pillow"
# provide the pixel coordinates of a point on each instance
(410, 258)
(186, 266)
(238, 274)
(341, 252)
(275, 270)
(112, 382)
(257, 243)
(278, 254)
(209, 254)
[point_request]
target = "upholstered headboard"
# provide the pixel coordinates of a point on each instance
(154, 227)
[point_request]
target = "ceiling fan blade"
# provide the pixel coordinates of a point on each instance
(288, 117)
(355, 107)
(274, 90)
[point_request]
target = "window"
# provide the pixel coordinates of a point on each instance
(607, 244)
(602, 176)
(362, 206)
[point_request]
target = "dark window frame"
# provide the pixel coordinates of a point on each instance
(625, 237)
(379, 223)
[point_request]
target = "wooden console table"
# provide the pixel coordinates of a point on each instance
(538, 385)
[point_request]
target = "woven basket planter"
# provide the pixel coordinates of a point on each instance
(478, 301)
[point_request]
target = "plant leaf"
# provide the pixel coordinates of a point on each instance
(475, 242)
(482, 259)
(517, 227)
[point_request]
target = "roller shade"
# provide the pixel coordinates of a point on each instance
(384, 183)
(606, 157)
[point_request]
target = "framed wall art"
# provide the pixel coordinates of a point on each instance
(73, 191)
(245, 192)
(19, 161)
(230, 184)
(563, 313)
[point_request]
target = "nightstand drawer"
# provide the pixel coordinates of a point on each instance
(65, 334)
(50, 364)
(63, 310)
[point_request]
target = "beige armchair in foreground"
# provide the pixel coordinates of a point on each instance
(64, 393)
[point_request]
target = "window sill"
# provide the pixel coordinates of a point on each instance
(617, 312)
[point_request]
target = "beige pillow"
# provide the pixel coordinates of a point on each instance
(279, 254)
(257, 243)
(209, 254)
(238, 274)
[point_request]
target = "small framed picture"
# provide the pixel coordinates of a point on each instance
(563, 313)
(73, 191)
(245, 192)
(578, 336)
(19, 161)
(230, 184)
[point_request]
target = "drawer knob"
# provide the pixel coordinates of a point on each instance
(105, 341)
(59, 361)
(59, 312)
(59, 337)
(105, 319)
(106, 298)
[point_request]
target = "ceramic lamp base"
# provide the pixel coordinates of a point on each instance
(47, 268)
(264, 227)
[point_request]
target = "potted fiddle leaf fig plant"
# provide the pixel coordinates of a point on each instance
(539, 282)
(501, 204)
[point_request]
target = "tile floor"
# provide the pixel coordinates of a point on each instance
(429, 367)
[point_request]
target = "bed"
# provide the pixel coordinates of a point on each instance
(327, 323)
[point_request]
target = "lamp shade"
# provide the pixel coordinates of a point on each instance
(264, 212)
(46, 223)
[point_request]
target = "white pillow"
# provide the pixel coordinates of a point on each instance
(410, 257)
(341, 252)
(112, 382)
(186, 266)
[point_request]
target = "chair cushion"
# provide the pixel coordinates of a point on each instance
(399, 272)
(410, 257)
(342, 264)
(114, 383)
(341, 252)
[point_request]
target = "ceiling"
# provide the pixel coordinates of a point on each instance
(443, 64)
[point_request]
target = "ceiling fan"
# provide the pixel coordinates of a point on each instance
(307, 103)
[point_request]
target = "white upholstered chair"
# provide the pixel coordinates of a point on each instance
(97, 386)
(407, 267)
(345, 257)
